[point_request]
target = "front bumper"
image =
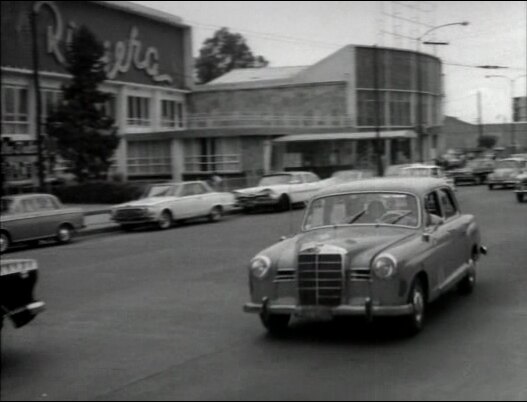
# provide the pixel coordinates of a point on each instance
(503, 182)
(26, 314)
(366, 310)
(256, 201)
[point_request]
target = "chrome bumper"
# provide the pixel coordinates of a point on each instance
(367, 310)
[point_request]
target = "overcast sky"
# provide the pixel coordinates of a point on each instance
(301, 33)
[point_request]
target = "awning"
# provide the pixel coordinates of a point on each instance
(366, 135)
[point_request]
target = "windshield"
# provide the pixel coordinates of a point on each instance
(6, 205)
(363, 209)
(508, 165)
(163, 191)
(276, 180)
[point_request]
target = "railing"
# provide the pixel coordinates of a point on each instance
(226, 163)
(257, 120)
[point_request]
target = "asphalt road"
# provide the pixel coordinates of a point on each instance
(158, 316)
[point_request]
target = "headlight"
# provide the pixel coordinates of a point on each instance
(268, 192)
(260, 266)
(385, 267)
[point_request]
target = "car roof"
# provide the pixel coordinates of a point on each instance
(414, 185)
(288, 173)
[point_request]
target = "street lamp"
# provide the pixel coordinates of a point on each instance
(512, 81)
(420, 130)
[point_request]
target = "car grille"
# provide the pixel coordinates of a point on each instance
(130, 214)
(320, 279)
(285, 275)
(360, 275)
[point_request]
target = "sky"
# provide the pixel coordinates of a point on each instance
(290, 33)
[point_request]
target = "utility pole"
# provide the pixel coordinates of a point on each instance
(378, 112)
(480, 116)
(38, 99)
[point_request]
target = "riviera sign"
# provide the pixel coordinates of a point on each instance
(119, 57)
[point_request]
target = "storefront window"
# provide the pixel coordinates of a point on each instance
(15, 116)
(51, 98)
(369, 114)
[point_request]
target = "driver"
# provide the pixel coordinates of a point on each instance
(374, 212)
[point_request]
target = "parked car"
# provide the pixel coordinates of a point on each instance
(521, 187)
(476, 171)
(34, 217)
(17, 302)
(164, 204)
(280, 191)
(506, 172)
(423, 170)
(344, 176)
(380, 247)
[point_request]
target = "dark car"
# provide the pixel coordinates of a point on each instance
(33, 217)
(476, 172)
(17, 301)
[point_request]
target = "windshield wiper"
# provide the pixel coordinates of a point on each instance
(356, 217)
(398, 218)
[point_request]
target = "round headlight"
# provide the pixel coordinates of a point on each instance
(260, 266)
(385, 267)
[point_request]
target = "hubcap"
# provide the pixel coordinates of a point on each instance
(64, 234)
(419, 307)
(164, 221)
(3, 243)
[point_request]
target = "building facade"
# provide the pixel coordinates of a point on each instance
(461, 135)
(149, 68)
(321, 117)
(520, 109)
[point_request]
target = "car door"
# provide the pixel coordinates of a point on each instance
(25, 226)
(438, 260)
(47, 216)
(190, 202)
(456, 230)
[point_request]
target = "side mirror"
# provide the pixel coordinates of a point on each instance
(283, 238)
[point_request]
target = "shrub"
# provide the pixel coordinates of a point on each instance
(99, 192)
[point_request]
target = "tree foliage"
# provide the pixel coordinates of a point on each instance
(85, 136)
(224, 52)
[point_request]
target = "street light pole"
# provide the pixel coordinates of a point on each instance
(419, 117)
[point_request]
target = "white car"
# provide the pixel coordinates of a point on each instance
(280, 191)
(422, 170)
(166, 203)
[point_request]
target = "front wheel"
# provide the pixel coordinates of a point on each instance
(65, 234)
(276, 324)
(468, 284)
(4, 242)
(416, 321)
(284, 204)
(520, 197)
(491, 187)
(165, 220)
(215, 215)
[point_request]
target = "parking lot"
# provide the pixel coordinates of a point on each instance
(158, 315)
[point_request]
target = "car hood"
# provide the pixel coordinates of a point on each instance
(146, 202)
(359, 244)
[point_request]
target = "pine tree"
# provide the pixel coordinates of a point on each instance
(84, 134)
